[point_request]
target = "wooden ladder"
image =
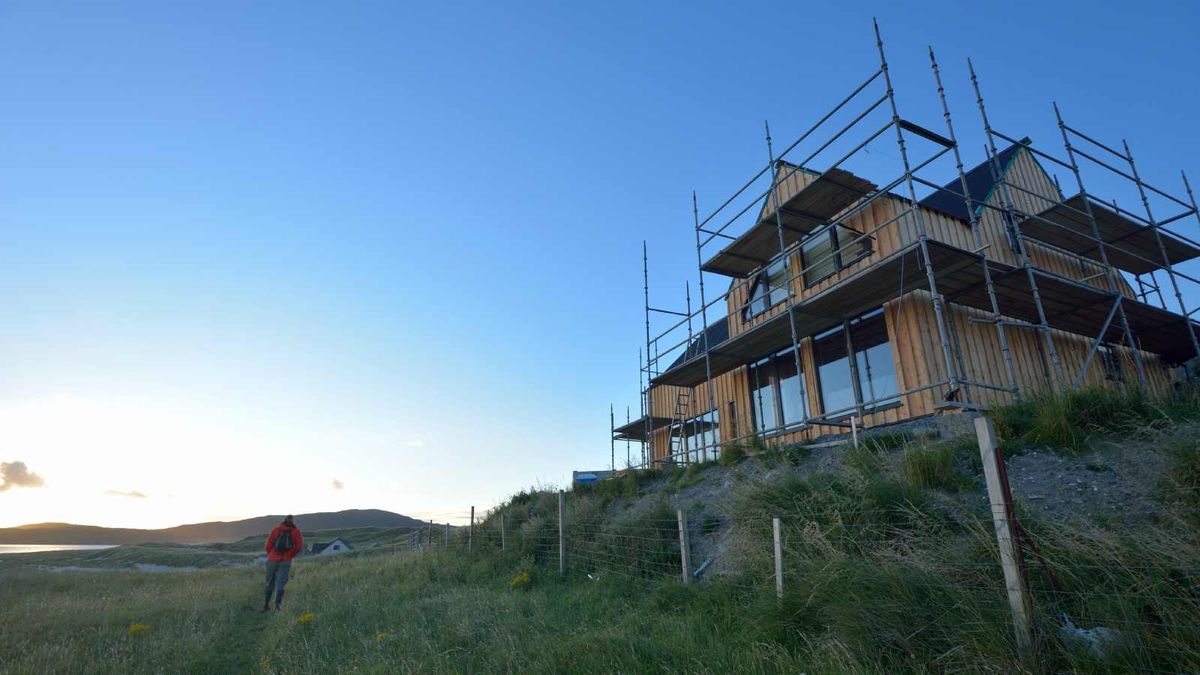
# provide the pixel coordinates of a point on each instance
(683, 408)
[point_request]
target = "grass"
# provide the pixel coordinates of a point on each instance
(1069, 421)
(881, 575)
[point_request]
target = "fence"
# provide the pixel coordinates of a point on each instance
(876, 558)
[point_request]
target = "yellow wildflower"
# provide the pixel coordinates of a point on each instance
(520, 581)
(381, 635)
(139, 628)
(306, 617)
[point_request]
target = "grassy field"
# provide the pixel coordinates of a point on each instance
(379, 613)
(889, 558)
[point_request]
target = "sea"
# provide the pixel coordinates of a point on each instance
(42, 548)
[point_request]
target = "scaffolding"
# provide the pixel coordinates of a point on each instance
(1009, 297)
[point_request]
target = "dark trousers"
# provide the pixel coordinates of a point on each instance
(277, 577)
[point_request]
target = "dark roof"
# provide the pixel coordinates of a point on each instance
(714, 335)
(949, 201)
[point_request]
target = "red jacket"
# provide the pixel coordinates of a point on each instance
(297, 543)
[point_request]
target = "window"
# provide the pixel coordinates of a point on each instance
(698, 436)
(770, 289)
(867, 380)
(777, 396)
(830, 250)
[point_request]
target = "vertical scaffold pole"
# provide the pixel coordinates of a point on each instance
(787, 259)
(1162, 250)
(708, 383)
(922, 234)
(1109, 270)
(649, 444)
(612, 442)
(976, 234)
(1010, 215)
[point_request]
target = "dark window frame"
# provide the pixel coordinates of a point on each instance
(769, 365)
(867, 244)
(763, 280)
(861, 402)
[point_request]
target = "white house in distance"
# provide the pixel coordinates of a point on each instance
(338, 545)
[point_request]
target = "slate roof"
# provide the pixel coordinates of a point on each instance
(949, 201)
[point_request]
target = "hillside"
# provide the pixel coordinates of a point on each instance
(200, 533)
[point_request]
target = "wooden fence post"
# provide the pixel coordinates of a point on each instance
(471, 533)
(446, 539)
(1003, 518)
(429, 535)
(854, 429)
(562, 540)
(684, 553)
(775, 527)
(503, 535)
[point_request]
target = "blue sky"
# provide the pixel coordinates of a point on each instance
(251, 248)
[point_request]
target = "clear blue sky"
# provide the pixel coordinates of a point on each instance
(252, 248)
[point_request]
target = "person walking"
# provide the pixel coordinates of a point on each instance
(283, 544)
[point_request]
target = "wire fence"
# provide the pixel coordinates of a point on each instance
(874, 558)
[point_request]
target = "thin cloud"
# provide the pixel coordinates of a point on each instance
(414, 443)
(337, 484)
(16, 474)
(124, 493)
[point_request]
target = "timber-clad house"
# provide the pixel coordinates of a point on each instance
(874, 346)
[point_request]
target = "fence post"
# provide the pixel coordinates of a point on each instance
(471, 533)
(775, 527)
(429, 535)
(503, 535)
(1000, 497)
(446, 539)
(562, 539)
(684, 552)
(854, 429)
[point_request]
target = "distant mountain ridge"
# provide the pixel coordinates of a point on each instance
(199, 533)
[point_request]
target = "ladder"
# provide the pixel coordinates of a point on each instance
(683, 408)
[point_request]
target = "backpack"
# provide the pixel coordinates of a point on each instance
(284, 542)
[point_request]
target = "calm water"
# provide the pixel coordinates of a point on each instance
(40, 548)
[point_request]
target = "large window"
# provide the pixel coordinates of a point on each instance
(777, 395)
(855, 367)
(769, 289)
(697, 437)
(830, 250)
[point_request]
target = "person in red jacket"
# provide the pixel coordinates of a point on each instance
(283, 544)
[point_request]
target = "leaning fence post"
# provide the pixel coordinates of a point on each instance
(503, 535)
(684, 556)
(775, 527)
(562, 541)
(471, 533)
(1000, 497)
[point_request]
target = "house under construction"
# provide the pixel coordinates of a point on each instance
(867, 300)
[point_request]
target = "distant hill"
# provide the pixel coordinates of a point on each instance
(199, 533)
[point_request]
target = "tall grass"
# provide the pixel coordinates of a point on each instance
(1069, 420)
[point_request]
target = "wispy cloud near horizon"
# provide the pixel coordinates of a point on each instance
(125, 493)
(16, 474)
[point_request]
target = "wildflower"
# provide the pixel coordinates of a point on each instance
(520, 581)
(266, 663)
(139, 628)
(381, 635)
(306, 617)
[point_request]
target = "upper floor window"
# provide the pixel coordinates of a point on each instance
(769, 289)
(831, 250)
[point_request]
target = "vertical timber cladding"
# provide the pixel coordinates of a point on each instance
(911, 321)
